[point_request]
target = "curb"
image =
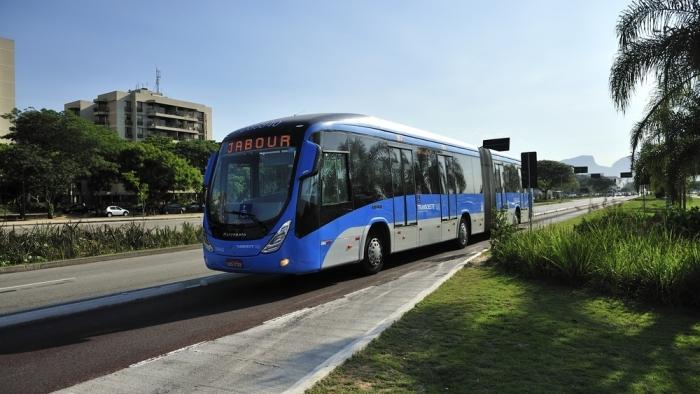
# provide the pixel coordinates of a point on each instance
(90, 304)
(334, 361)
(95, 259)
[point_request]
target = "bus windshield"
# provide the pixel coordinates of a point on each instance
(249, 190)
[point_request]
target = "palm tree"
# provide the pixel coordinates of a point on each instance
(671, 146)
(661, 39)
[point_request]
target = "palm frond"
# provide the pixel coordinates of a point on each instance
(649, 17)
(663, 104)
(667, 55)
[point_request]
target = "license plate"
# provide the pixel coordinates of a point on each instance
(234, 263)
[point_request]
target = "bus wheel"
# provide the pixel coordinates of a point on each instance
(374, 254)
(462, 233)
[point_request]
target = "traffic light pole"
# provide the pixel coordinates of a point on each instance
(529, 207)
(529, 198)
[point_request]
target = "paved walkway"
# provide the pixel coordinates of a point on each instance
(287, 354)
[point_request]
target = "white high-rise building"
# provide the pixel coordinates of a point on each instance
(7, 83)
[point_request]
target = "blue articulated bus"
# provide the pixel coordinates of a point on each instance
(305, 193)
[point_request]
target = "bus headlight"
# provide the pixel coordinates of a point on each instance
(207, 245)
(276, 241)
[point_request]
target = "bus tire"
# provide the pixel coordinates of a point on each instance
(462, 239)
(375, 253)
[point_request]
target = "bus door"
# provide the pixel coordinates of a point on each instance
(405, 210)
(448, 198)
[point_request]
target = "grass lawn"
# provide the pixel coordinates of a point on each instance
(488, 331)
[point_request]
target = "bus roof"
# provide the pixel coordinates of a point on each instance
(375, 123)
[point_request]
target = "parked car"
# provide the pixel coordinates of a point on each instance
(173, 208)
(114, 210)
(79, 209)
(195, 207)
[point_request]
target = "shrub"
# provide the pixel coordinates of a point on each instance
(67, 241)
(656, 258)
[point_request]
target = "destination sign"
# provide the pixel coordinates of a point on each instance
(256, 143)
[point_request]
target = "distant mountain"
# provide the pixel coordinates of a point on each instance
(622, 165)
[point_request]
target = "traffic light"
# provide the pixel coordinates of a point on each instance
(499, 144)
(528, 168)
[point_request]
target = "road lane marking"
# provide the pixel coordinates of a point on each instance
(36, 284)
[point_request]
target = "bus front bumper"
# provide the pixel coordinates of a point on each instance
(280, 262)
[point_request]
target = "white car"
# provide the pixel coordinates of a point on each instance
(114, 210)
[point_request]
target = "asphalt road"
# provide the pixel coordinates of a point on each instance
(49, 355)
(32, 289)
(52, 354)
(578, 203)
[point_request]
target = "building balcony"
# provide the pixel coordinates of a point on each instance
(173, 128)
(180, 116)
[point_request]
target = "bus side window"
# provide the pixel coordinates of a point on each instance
(423, 183)
(461, 174)
(335, 192)
(334, 179)
(476, 173)
(434, 172)
(370, 170)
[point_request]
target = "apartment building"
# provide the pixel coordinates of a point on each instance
(7, 83)
(137, 114)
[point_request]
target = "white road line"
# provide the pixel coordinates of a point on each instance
(36, 284)
(89, 304)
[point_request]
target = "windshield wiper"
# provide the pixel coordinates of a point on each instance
(251, 216)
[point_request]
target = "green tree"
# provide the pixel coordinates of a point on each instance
(670, 153)
(661, 38)
(160, 142)
(141, 188)
(595, 185)
(553, 174)
(161, 170)
(79, 149)
(196, 152)
(24, 168)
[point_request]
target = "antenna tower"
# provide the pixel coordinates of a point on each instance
(157, 80)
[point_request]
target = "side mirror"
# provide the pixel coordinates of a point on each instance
(311, 159)
(210, 168)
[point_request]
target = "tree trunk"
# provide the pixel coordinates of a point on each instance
(23, 202)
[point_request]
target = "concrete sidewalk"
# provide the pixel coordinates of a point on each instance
(287, 354)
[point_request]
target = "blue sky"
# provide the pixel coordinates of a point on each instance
(535, 71)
